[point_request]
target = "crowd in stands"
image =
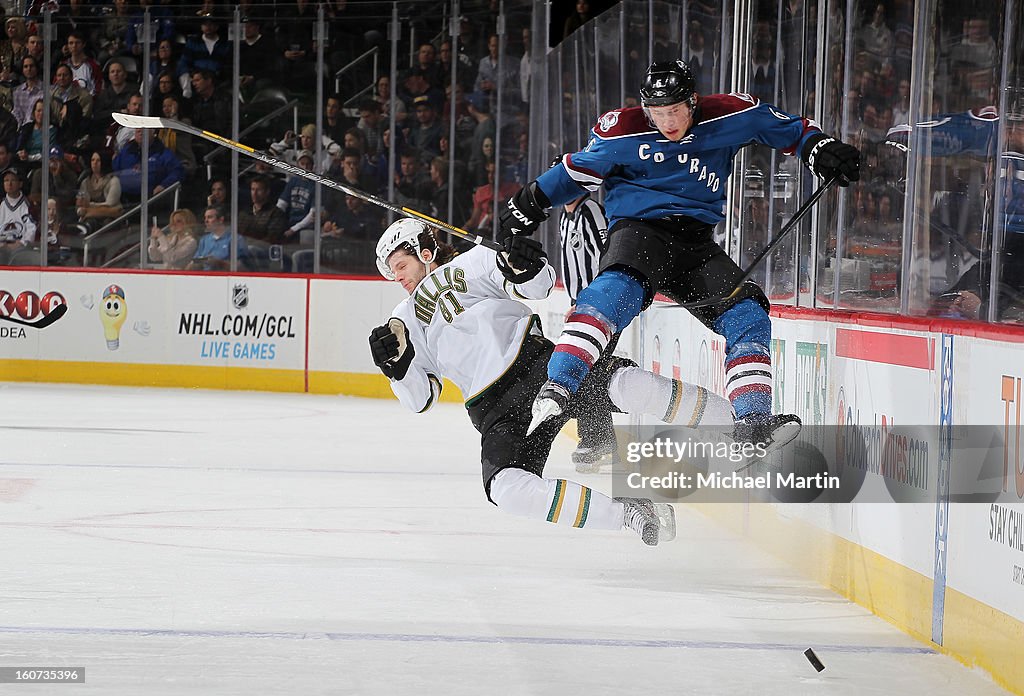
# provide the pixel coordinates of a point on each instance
(95, 166)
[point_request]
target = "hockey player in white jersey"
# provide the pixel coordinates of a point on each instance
(463, 320)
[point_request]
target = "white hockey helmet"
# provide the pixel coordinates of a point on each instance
(403, 232)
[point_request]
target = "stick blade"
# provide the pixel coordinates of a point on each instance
(130, 121)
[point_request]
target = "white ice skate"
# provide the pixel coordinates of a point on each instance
(653, 522)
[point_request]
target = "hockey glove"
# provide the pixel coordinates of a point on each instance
(522, 259)
(828, 157)
(523, 212)
(392, 352)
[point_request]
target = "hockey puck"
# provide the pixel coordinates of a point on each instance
(813, 659)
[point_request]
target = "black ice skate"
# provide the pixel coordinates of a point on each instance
(772, 431)
(551, 401)
(654, 522)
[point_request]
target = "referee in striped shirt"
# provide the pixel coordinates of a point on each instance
(583, 233)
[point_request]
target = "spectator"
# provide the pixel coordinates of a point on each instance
(218, 195)
(489, 81)
(26, 94)
(214, 250)
(163, 167)
(439, 201)
(8, 127)
(412, 187)
(209, 51)
(348, 170)
(17, 225)
(465, 124)
(55, 231)
(265, 221)
(178, 142)
(480, 110)
(30, 136)
(383, 97)
(465, 70)
(259, 58)
(63, 183)
(166, 86)
(7, 158)
(161, 21)
(425, 134)
(118, 135)
(580, 16)
(289, 150)
(176, 247)
(416, 85)
(116, 94)
(335, 124)
(426, 62)
(35, 48)
(296, 202)
(167, 62)
(13, 50)
(524, 68)
(294, 20)
(211, 109)
(65, 89)
(110, 37)
(84, 70)
(479, 160)
(372, 124)
(482, 218)
(99, 194)
(354, 219)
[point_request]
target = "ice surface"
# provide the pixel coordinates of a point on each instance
(176, 542)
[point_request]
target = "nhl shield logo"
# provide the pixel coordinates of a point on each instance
(240, 296)
(609, 120)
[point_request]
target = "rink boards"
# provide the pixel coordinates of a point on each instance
(948, 573)
(951, 573)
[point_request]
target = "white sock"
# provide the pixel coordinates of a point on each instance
(558, 501)
(634, 390)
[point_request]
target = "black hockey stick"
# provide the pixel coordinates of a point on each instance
(44, 321)
(130, 121)
(768, 249)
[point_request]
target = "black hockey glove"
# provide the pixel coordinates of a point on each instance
(828, 157)
(392, 352)
(522, 259)
(523, 212)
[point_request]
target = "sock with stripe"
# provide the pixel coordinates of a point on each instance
(605, 306)
(558, 501)
(635, 390)
(748, 360)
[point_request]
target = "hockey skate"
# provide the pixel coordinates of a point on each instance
(551, 401)
(653, 522)
(589, 460)
(773, 432)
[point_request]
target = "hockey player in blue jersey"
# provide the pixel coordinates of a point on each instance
(664, 167)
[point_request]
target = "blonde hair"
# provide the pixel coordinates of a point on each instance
(308, 130)
(187, 217)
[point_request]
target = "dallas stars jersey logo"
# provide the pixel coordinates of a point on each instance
(438, 291)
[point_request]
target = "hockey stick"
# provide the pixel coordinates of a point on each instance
(769, 248)
(130, 121)
(44, 321)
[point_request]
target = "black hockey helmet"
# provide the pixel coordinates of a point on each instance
(668, 82)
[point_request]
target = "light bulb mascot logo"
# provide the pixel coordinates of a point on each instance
(113, 312)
